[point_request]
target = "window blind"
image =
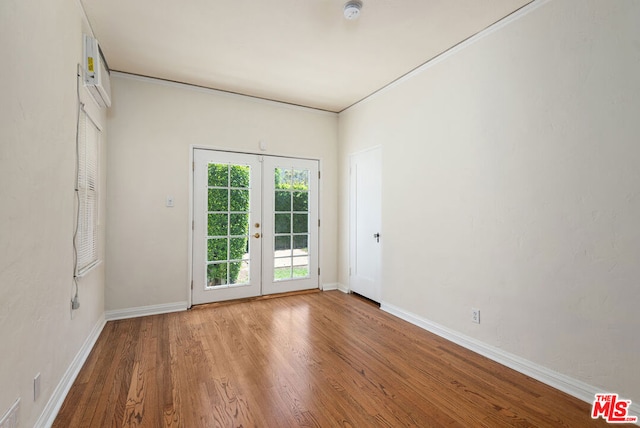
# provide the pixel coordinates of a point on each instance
(87, 187)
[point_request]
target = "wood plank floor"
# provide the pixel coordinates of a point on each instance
(312, 360)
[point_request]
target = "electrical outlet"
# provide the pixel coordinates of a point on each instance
(36, 387)
(10, 419)
(475, 315)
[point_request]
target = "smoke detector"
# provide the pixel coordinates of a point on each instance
(352, 9)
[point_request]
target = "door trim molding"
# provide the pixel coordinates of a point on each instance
(247, 152)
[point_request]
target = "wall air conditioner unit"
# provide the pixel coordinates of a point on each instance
(96, 72)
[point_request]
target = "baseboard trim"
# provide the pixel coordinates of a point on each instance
(54, 404)
(574, 387)
(335, 286)
(142, 311)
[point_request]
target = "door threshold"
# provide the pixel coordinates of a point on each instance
(253, 299)
(365, 299)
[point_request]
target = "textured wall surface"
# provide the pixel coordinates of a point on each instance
(40, 46)
(152, 126)
(511, 184)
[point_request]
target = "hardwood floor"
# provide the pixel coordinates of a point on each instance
(312, 360)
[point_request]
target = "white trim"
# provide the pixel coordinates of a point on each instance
(221, 92)
(571, 386)
(330, 286)
(365, 150)
(321, 276)
(88, 269)
(257, 152)
(190, 226)
(344, 288)
(54, 404)
(525, 10)
(142, 311)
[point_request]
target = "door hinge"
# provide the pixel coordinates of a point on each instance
(192, 284)
(193, 166)
(318, 271)
(193, 225)
(318, 222)
(318, 175)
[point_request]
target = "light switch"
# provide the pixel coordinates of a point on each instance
(170, 201)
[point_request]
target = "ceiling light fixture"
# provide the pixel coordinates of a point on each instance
(352, 9)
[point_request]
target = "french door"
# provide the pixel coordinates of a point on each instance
(255, 225)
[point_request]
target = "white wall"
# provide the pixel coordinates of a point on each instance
(511, 183)
(40, 47)
(152, 126)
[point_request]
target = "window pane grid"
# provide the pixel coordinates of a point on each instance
(228, 225)
(291, 224)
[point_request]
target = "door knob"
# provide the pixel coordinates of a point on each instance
(257, 235)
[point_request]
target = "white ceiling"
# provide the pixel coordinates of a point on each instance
(297, 51)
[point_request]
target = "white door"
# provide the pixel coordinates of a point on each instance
(227, 250)
(290, 216)
(365, 221)
(252, 225)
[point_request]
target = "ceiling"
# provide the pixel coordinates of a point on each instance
(302, 52)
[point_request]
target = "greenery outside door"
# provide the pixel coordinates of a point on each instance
(255, 225)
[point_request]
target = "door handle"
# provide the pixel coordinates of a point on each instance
(377, 236)
(257, 235)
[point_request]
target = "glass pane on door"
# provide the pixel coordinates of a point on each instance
(243, 205)
(291, 224)
(228, 203)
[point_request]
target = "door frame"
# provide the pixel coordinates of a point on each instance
(189, 228)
